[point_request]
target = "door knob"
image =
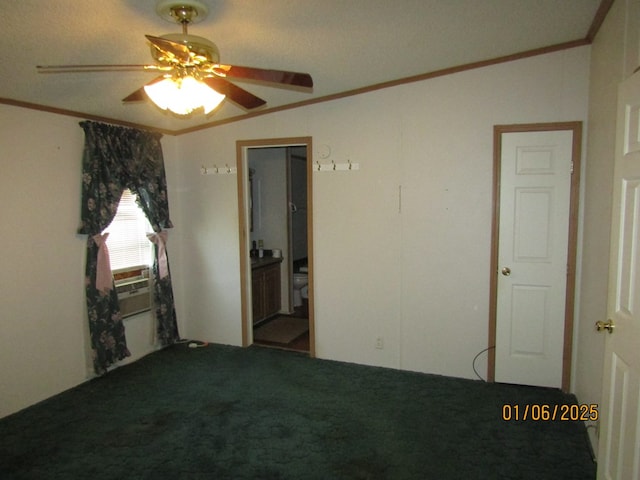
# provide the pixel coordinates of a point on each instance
(609, 325)
(506, 271)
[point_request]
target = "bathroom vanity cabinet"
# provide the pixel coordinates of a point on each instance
(265, 286)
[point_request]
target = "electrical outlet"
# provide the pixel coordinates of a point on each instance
(379, 343)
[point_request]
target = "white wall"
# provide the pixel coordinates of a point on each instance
(419, 277)
(43, 326)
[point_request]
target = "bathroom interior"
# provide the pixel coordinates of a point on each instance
(277, 186)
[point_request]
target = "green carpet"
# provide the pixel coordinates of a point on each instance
(230, 413)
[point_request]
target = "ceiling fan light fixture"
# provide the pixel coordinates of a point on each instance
(183, 95)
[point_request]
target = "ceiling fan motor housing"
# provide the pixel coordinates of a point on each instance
(203, 51)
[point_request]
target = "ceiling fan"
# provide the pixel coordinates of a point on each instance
(183, 58)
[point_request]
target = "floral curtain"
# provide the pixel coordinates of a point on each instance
(116, 158)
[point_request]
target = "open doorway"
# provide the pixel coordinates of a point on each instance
(276, 250)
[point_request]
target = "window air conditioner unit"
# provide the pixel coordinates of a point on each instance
(134, 294)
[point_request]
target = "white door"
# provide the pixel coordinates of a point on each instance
(619, 445)
(535, 203)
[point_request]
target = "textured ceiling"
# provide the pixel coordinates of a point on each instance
(343, 44)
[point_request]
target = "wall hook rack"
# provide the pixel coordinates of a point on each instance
(215, 170)
(336, 166)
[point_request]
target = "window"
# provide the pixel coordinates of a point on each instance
(128, 243)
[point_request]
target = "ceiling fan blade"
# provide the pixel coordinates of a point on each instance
(92, 68)
(140, 95)
(137, 96)
(234, 93)
(172, 49)
(264, 75)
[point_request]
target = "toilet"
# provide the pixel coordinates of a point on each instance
(300, 281)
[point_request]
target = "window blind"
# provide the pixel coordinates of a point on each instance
(128, 244)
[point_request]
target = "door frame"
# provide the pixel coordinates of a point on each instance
(498, 131)
(245, 268)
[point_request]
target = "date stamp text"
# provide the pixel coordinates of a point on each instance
(545, 413)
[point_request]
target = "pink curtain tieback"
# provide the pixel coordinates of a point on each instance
(104, 279)
(160, 239)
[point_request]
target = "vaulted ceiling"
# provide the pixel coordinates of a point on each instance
(346, 45)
